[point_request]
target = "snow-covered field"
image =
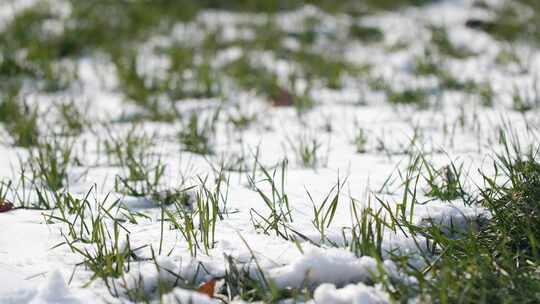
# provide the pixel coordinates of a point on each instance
(153, 174)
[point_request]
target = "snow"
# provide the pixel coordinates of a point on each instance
(179, 295)
(350, 294)
(317, 266)
(33, 270)
(53, 290)
(10, 8)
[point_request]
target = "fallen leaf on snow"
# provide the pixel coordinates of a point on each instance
(5, 206)
(208, 288)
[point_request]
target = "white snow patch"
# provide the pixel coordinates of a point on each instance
(350, 294)
(317, 266)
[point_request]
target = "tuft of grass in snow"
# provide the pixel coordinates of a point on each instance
(20, 120)
(72, 119)
(277, 203)
(416, 97)
(366, 33)
(440, 39)
(136, 89)
(49, 163)
(252, 77)
(360, 140)
(510, 23)
(526, 101)
(197, 135)
(444, 184)
(493, 258)
(96, 235)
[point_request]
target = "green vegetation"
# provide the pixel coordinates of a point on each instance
(20, 120)
(510, 23)
(417, 97)
(196, 135)
(492, 256)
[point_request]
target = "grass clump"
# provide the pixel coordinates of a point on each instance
(427, 65)
(491, 258)
(360, 141)
(515, 206)
(510, 24)
(498, 261)
(319, 67)
(141, 92)
(196, 135)
(96, 236)
(43, 51)
(440, 39)
(307, 150)
(486, 94)
(20, 120)
(417, 97)
(251, 77)
(278, 203)
(72, 118)
(366, 33)
(142, 178)
(523, 101)
(50, 162)
(203, 81)
(444, 184)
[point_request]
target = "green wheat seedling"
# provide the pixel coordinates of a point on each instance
(428, 65)
(143, 178)
(401, 214)
(252, 174)
(219, 193)
(302, 100)
(41, 66)
(249, 76)
(366, 233)
(20, 120)
(197, 135)
(440, 39)
(207, 210)
(137, 89)
(307, 150)
(324, 213)
(95, 235)
(131, 147)
(526, 101)
(203, 81)
(241, 119)
(230, 162)
(319, 67)
(49, 163)
(366, 33)
(416, 96)
(29, 193)
(360, 141)
(510, 25)
(445, 184)
(197, 222)
(277, 203)
(72, 119)
(486, 94)
(182, 218)
(143, 170)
